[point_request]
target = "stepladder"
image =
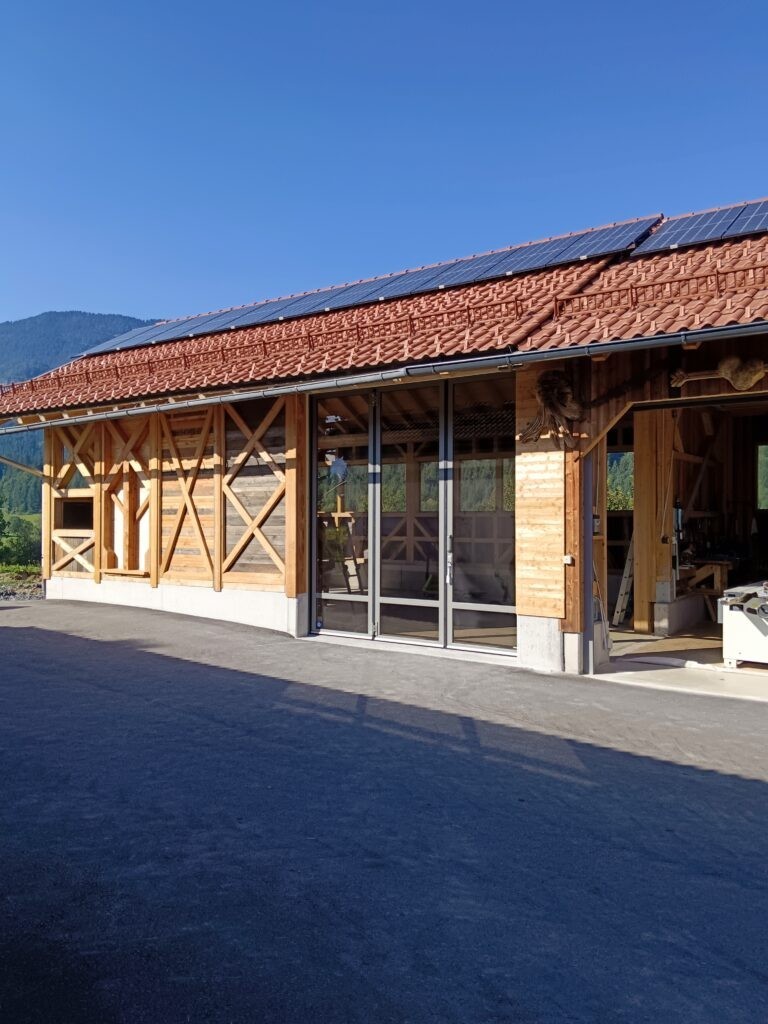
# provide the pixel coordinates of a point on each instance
(625, 589)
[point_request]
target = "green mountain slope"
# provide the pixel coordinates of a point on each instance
(32, 346)
(38, 343)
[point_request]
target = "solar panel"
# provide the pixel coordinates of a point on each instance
(754, 217)
(602, 241)
(411, 282)
(530, 257)
(487, 267)
(355, 294)
(690, 230)
(182, 328)
(266, 312)
(468, 271)
(137, 336)
(221, 321)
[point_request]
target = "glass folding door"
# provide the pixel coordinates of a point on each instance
(481, 528)
(341, 513)
(415, 513)
(410, 505)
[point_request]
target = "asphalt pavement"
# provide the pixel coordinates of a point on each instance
(203, 822)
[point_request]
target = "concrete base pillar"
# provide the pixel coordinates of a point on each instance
(540, 644)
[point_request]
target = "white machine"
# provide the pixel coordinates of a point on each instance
(743, 612)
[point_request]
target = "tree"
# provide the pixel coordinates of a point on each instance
(20, 541)
(621, 481)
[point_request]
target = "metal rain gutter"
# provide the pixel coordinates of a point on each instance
(474, 364)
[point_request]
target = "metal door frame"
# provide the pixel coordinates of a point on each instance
(374, 525)
(446, 516)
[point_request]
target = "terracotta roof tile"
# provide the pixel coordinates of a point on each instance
(492, 315)
(600, 300)
(711, 286)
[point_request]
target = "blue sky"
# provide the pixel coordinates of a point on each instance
(162, 158)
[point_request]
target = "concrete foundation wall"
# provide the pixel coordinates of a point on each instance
(267, 609)
(540, 643)
(682, 613)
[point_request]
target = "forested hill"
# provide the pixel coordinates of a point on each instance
(32, 346)
(38, 343)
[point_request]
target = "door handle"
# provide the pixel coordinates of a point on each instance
(449, 561)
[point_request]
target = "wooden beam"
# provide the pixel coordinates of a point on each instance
(296, 496)
(47, 502)
(155, 496)
(219, 509)
(608, 425)
(22, 467)
(644, 521)
(573, 622)
(98, 503)
(72, 552)
(653, 513)
(186, 482)
(600, 509)
(707, 458)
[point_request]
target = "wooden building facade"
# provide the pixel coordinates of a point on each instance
(431, 470)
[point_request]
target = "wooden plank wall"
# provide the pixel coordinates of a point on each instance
(540, 513)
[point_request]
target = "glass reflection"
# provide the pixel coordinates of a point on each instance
(410, 503)
(484, 509)
(341, 503)
(415, 622)
(484, 629)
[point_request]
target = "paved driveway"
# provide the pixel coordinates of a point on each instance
(202, 822)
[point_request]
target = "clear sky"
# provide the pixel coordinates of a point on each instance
(162, 158)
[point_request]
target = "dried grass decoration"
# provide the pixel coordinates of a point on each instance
(558, 410)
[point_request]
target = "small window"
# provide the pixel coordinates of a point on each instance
(76, 513)
(762, 476)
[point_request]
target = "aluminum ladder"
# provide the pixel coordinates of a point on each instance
(625, 589)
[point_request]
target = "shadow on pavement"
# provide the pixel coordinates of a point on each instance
(180, 842)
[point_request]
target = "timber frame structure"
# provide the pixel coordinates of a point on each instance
(422, 489)
(189, 498)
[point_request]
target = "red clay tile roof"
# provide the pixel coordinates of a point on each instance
(493, 315)
(600, 300)
(684, 290)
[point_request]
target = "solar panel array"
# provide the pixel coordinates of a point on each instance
(472, 270)
(714, 225)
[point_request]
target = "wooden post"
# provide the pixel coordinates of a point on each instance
(219, 511)
(600, 506)
(539, 513)
(155, 511)
(47, 502)
(99, 496)
(653, 514)
(573, 622)
(296, 496)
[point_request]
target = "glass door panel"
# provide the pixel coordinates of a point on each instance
(341, 513)
(410, 572)
(482, 526)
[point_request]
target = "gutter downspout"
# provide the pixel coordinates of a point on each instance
(474, 364)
